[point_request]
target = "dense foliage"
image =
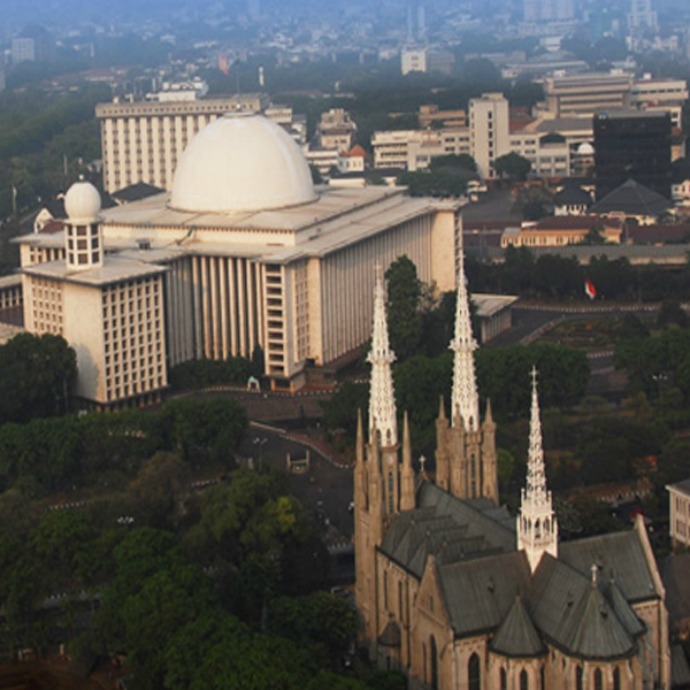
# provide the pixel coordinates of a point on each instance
(45, 455)
(37, 374)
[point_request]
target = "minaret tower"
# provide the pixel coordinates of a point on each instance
(537, 526)
(465, 450)
(83, 241)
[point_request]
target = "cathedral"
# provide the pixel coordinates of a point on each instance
(458, 594)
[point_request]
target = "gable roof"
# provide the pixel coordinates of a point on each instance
(517, 636)
(571, 195)
(480, 592)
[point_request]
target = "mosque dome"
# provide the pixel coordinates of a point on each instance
(241, 162)
(585, 149)
(82, 201)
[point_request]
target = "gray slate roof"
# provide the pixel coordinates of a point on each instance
(517, 636)
(451, 529)
(479, 593)
(633, 199)
(618, 555)
(488, 588)
(575, 615)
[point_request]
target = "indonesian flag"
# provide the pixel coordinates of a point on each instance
(590, 290)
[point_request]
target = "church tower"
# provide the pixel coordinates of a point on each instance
(465, 448)
(382, 486)
(537, 526)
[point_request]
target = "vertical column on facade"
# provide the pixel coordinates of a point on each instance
(121, 155)
(188, 308)
(167, 145)
(251, 307)
(213, 310)
(260, 306)
(223, 281)
(233, 310)
(143, 128)
(206, 307)
(180, 327)
(241, 308)
(196, 310)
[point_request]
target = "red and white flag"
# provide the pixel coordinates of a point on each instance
(590, 290)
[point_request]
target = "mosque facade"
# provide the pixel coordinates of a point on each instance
(458, 594)
(248, 254)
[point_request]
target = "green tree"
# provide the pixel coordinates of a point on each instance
(512, 166)
(38, 373)
(403, 307)
(320, 620)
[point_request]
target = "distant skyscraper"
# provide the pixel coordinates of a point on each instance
(548, 10)
(642, 16)
(416, 21)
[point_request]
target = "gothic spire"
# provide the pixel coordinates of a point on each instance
(535, 491)
(464, 398)
(537, 527)
(382, 413)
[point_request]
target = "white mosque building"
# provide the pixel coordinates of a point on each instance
(243, 252)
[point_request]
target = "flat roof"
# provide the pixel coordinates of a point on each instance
(114, 270)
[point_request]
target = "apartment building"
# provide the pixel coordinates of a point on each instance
(489, 131)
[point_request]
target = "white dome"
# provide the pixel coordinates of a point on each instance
(241, 162)
(82, 201)
(585, 149)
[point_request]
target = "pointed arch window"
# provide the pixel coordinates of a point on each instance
(433, 651)
(390, 492)
(616, 679)
(578, 678)
(524, 680)
(598, 679)
(503, 675)
(473, 476)
(474, 673)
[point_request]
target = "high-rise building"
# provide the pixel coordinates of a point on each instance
(33, 44)
(632, 145)
(454, 592)
(489, 130)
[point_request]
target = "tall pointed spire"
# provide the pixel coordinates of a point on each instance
(407, 478)
(464, 398)
(382, 413)
(535, 491)
(537, 528)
